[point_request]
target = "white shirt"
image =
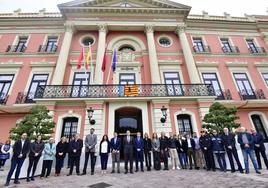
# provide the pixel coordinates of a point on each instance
(189, 143)
(22, 144)
(104, 147)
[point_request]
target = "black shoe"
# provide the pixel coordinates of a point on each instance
(84, 173)
(149, 169)
(69, 174)
(136, 170)
(32, 178)
(142, 170)
(6, 184)
(131, 172)
(247, 172)
(258, 172)
(241, 171)
(197, 168)
(126, 172)
(190, 168)
(92, 173)
(28, 180)
(16, 182)
(112, 172)
(78, 174)
(118, 171)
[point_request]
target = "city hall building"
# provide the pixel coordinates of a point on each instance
(153, 67)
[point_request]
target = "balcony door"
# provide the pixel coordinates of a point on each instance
(37, 80)
(173, 83)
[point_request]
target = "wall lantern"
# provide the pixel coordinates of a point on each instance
(90, 112)
(164, 113)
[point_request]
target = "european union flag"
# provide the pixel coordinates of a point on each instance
(114, 61)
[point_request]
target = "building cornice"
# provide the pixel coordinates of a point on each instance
(11, 64)
(261, 64)
(207, 64)
(236, 64)
(43, 64)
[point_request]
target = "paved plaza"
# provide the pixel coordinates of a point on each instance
(157, 179)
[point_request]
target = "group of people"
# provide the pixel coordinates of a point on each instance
(185, 151)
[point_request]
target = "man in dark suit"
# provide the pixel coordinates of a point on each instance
(75, 149)
(20, 151)
(164, 143)
(115, 149)
(191, 151)
(139, 147)
(128, 144)
(259, 148)
(229, 144)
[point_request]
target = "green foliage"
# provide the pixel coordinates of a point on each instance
(38, 122)
(219, 117)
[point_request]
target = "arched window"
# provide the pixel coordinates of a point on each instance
(126, 48)
(258, 124)
(184, 124)
(87, 40)
(69, 128)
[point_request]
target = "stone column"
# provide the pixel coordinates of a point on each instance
(98, 79)
(265, 38)
(155, 75)
(189, 59)
(63, 56)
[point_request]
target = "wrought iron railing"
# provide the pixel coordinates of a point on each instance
(23, 98)
(201, 49)
(16, 48)
(257, 50)
(119, 91)
(3, 98)
(48, 48)
(252, 94)
(230, 49)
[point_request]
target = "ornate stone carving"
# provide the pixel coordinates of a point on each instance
(180, 29)
(126, 56)
(103, 28)
(149, 28)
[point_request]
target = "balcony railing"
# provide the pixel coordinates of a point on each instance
(201, 49)
(223, 94)
(23, 98)
(257, 50)
(120, 91)
(230, 49)
(3, 98)
(47, 48)
(16, 48)
(251, 94)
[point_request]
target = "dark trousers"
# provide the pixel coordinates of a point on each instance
(156, 158)
(191, 157)
(2, 162)
(233, 153)
(46, 168)
(128, 159)
(33, 161)
(148, 160)
(263, 154)
(75, 160)
(15, 163)
(208, 155)
(139, 159)
(59, 164)
(92, 161)
(104, 160)
(221, 161)
(164, 156)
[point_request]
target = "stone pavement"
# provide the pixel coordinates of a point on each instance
(158, 179)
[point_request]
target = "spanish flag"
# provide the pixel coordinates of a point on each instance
(88, 58)
(81, 58)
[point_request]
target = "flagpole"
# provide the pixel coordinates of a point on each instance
(110, 69)
(91, 66)
(85, 61)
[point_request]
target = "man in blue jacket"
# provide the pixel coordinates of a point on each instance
(115, 150)
(139, 146)
(246, 142)
(259, 148)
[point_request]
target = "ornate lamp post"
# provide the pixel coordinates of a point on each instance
(164, 113)
(90, 115)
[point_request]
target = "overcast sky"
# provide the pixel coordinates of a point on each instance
(213, 7)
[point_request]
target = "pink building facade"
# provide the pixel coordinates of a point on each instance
(164, 57)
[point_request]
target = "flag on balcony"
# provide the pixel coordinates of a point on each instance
(114, 61)
(88, 59)
(103, 66)
(80, 59)
(131, 90)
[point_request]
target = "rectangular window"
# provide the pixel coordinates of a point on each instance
(81, 81)
(5, 84)
(21, 46)
(226, 47)
(245, 89)
(173, 83)
(251, 45)
(198, 45)
(211, 78)
(51, 44)
(37, 80)
(265, 77)
(127, 78)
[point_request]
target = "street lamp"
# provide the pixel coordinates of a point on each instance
(164, 113)
(90, 115)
